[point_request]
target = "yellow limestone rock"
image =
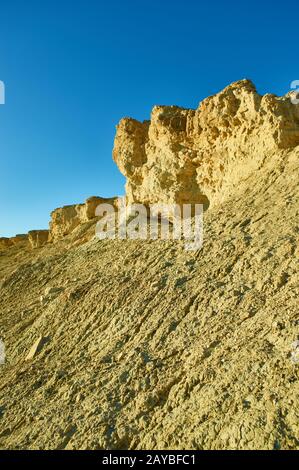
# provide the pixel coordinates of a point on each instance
(37, 347)
(65, 220)
(38, 238)
(159, 347)
(5, 243)
(20, 239)
(199, 156)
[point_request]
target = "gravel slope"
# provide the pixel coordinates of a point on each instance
(148, 346)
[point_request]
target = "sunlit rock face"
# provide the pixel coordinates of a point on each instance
(38, 238)
(65, 220)
(199, 156)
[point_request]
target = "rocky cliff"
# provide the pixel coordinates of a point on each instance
(140, 344)
(64, 221)
(188, 156)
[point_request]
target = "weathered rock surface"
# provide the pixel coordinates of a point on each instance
(188, 156)
(64, 220)
(152, 346)
(5, 243)
(20, 239)
(36, 347)
(38, 238)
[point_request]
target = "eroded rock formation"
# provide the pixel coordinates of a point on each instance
(20, 239)
(157, 347)
(38, 238)
(65, 219)
(188, 156)
(5, 243)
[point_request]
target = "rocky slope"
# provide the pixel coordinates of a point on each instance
(188, 156)
(141, 344)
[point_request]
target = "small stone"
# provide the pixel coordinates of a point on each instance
(50, 291)
(37, 347)
(43, 299)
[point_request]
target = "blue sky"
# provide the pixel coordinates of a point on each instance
(73, 69)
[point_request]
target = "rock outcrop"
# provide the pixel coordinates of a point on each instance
(20, 239)
(38, 238)
(65, 219)
(155, 346)
(188, 156)
(5, 243)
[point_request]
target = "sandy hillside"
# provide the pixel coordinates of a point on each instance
(144, 345)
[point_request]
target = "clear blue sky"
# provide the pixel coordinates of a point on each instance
(72, 69)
